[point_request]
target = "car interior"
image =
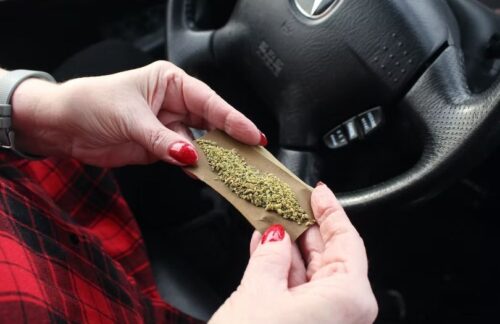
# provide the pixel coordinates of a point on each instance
(394, 104)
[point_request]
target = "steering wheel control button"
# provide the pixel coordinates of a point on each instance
(370, 120)
(354, 129)
(337, 138)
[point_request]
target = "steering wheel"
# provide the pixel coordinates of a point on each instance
(319, 63)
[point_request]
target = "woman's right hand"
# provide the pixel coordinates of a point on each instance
(327, 284)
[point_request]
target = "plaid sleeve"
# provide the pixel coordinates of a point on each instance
(70, 249)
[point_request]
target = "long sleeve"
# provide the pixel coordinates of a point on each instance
(70, 249)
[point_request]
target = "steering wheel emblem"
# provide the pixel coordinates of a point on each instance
(314, 8)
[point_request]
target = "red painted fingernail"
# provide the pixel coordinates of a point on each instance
(183, 152)
(273, 234)
(320, 184)
(263, 139)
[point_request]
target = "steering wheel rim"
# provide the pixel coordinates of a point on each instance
(185, 46)
(453, 123)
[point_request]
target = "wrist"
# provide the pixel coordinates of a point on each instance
(35, 110)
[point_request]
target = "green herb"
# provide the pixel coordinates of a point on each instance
(259, 188)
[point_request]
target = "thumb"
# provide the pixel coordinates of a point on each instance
(164, 143)
(270, 263)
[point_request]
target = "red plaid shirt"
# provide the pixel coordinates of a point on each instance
(70, 249)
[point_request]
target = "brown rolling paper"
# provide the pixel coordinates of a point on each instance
(261, 159)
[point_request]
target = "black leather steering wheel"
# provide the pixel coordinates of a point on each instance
(319, 62)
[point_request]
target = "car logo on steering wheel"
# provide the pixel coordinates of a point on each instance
(314, 8)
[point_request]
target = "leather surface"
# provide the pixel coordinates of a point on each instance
(312, 72)
(478, 23)
(315, 74)
(458, 130)
(186, 47)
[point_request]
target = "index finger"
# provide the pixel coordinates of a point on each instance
(202, 101)
(344, 249)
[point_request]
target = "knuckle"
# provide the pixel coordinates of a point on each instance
(336, 267)
(167, 70)
(270, 258)
(236, 123)
(155, 140)
(229, 123)
(162, 65)
(330, 229)
(209, 104)
(267, 256)
(325, 210)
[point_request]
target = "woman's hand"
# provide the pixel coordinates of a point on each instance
(330, 286)
(134, 117)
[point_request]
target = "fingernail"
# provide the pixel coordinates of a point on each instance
(263, 139)
(320, 184)
(274, 233)
(183, 152)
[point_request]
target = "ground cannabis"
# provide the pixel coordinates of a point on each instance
(260, 188)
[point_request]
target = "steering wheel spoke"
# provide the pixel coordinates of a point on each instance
(458, 129)
(187, 47)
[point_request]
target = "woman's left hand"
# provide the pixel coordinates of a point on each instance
(325, 282)
(134, 117)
